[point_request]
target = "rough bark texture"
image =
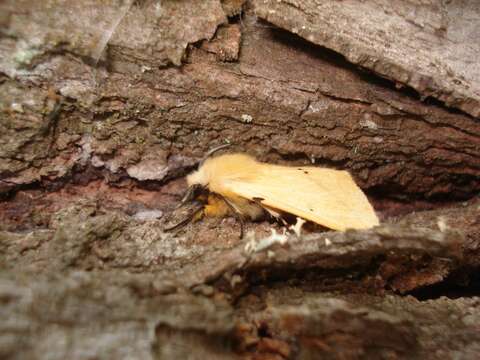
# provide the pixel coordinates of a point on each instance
(105, 105)
(283, 100)
(431, 46)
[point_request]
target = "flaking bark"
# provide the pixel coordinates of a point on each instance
(107, 104)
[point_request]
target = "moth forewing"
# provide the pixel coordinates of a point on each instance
(325, 196)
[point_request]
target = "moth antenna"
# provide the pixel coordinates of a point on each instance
(211, 152)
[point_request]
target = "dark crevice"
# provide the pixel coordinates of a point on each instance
(463, 283)
(314, 277)
(300, 44)
(395, 192)
(361, 278)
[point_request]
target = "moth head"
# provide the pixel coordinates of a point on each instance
(191, 194)
(198, 180)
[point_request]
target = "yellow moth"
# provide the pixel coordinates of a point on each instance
(239, 184)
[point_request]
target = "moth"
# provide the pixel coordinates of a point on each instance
(238, 184)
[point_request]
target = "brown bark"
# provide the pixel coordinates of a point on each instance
(107, 104)
(428, 45)
(144, 122)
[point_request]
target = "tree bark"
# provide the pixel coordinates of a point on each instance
(428, 45)
(106, 105)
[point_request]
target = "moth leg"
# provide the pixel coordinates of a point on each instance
(276, 216)
(237, 215)
(220, 206)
